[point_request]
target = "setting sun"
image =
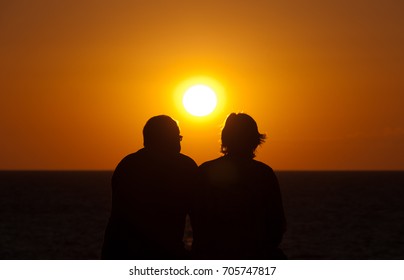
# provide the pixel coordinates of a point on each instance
(199, 100)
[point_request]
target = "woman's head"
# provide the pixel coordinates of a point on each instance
(240, 135)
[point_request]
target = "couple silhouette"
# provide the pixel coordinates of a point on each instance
(234, 202)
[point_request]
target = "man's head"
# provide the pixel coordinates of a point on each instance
(240, 135)
(161, 133)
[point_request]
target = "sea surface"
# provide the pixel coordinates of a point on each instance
(331, 215)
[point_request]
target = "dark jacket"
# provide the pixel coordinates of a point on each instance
(237, 212)
(150, 195)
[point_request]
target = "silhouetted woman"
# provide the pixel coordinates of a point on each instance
(237, 212)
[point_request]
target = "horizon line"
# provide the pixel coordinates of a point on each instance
(275, 170)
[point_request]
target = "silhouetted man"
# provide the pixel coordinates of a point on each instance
(150, 197)
(237, 212)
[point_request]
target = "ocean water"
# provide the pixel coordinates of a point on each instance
(331, 215)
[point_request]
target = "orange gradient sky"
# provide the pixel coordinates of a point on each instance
(323, 79)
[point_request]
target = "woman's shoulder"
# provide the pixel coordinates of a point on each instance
(262, 165)
(215, 163)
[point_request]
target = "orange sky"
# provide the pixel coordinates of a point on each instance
(324, 80)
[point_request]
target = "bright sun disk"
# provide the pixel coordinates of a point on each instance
(199, 100)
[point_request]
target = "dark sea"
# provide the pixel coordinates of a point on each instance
(331, 215)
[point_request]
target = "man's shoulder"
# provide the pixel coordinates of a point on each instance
(187, 160)
(134, 156)
(143, 158)
(129, 160)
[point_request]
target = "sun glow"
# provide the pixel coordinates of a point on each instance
(199, 100)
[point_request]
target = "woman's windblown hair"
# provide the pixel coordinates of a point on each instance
(240, 135)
